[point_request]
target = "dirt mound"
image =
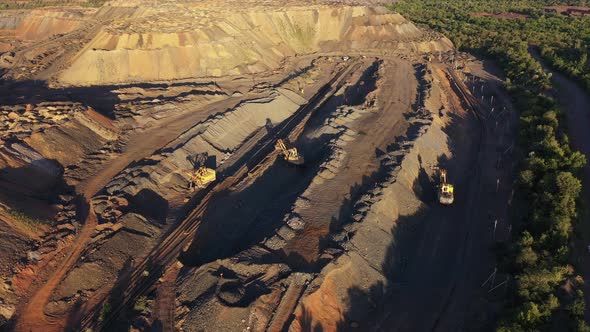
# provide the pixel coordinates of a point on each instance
(104, 262)
(164, 44)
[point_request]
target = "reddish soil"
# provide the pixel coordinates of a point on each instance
(165, 298)
(103, 120)
(34, 318)
(505, 16)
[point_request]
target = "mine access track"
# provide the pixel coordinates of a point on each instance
(477, 109)
(142, 279)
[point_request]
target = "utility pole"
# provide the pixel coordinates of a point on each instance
(499, 285)
(495, 226)
(493, 279)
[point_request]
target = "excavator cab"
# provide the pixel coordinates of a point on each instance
(446, 195)
(291, 155)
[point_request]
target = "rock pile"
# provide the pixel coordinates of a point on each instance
(390, 167)
(253, 274)
(109, 208)
(65, 226)
(21, 121)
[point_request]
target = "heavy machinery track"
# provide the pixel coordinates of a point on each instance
(143, 277)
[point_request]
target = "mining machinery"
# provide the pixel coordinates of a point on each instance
(201, 176)
(446, 195)
(290, 154)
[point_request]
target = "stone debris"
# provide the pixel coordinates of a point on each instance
(109, 208)
(21, 121)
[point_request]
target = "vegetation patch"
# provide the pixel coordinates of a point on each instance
(141, 304)
(104, 312)
(29, 222)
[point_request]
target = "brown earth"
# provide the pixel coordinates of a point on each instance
(110, 108)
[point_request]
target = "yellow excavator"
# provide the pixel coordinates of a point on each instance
(446, 195)
(290, 154)
(201, 176)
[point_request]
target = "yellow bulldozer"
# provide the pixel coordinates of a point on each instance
(201, 176)
(290, 154)
(446, 195)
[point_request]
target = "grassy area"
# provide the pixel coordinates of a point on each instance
(30, 223)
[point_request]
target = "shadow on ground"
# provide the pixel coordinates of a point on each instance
(370, 308)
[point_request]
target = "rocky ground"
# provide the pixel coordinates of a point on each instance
(109, 107)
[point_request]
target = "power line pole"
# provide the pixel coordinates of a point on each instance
(495, 226)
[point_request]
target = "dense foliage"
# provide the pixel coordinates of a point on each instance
(564, 41)
(548, 182)
(549, 185)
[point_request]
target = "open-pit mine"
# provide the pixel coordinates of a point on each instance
(244, 166)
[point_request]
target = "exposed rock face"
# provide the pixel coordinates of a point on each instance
(21, 26)
(183, 42)
(44, 23)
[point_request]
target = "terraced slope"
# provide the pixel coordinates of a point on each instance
(184, 42)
